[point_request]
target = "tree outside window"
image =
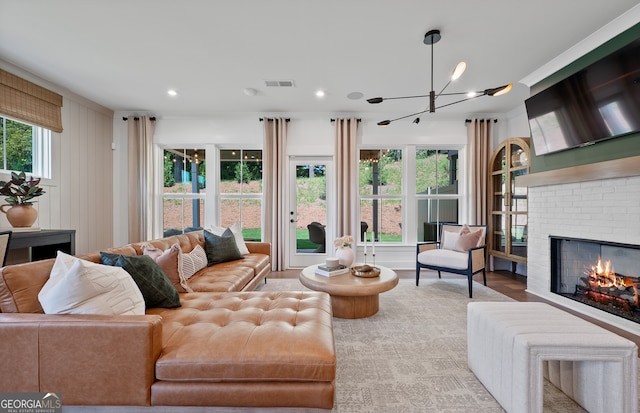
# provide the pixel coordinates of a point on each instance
(25, 148)
(436, 191)
(17, 146)
(380, 183)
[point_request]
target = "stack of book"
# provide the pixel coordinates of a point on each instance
(331, 271)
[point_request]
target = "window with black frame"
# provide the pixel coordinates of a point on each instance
(437, 193)
(184, 191)
(241, 191)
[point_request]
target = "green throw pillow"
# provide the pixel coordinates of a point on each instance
(155, 286)
(221, 248)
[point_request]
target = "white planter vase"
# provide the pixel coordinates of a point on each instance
(345, 255)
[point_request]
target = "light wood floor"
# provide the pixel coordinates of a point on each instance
(507, 283)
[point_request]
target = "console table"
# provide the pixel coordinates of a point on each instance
(42, 244)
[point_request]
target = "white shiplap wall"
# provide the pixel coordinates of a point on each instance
(80, 193)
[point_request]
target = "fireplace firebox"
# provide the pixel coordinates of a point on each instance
(604, 275)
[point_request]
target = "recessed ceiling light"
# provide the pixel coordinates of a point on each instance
(319, 93)
(172, 92)
(250, 91)
(355, 95)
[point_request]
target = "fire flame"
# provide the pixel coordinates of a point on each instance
(605, 276)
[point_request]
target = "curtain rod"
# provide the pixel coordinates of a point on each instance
(333, 120)
(152, 118)
(262, 119)
(481, 120)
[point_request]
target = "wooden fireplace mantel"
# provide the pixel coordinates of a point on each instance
(617, 168)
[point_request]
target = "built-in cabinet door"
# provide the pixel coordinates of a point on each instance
(508, 201)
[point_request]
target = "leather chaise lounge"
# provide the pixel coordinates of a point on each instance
(224, 346)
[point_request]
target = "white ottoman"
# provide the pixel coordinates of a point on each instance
(512, 345)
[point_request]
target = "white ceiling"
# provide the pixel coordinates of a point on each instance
(126, 54)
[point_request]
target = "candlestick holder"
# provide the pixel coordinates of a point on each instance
(365, 258)
(374, 259)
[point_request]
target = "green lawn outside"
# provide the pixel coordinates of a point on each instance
(302, 238)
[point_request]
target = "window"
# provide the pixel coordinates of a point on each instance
(241, 191)
(184, 190)
(381, 196)
(436, 191)
(25, 148)
(387, 185)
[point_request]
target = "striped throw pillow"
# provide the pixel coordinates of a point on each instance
(193, 262)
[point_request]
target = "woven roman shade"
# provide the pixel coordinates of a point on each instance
(26, 101)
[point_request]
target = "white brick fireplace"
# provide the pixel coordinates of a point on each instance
(587, 207)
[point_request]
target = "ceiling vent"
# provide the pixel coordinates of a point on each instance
(279, 83)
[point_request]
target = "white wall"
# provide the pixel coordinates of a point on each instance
(80, 192)
(517, 123)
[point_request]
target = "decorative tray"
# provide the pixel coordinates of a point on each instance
(365, 271)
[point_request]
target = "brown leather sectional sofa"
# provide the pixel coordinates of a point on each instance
(226, 345)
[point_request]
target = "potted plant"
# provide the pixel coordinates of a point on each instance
(19, 193)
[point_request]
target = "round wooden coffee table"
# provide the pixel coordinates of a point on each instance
(351, 296)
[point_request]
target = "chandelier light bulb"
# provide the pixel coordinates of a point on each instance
(458, 71)
(504, 90)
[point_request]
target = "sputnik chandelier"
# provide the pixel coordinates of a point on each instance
(430, 38)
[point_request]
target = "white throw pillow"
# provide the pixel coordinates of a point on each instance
(450, 240)
(77, 286)
(237, 234)
(193, 261)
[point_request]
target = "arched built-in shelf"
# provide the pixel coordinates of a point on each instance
(508, 203)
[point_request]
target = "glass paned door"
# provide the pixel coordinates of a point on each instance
(310, 240)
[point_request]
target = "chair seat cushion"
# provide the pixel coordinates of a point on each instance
(444, 258)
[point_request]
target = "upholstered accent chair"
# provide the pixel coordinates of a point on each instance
(461, 250)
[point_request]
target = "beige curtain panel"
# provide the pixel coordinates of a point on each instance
(140, 156)
(479, 136)
(28, 102)
(346, 155)
(275, 222)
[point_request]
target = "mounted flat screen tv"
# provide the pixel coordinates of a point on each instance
(599, 102)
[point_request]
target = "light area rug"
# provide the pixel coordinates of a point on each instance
(412, 355)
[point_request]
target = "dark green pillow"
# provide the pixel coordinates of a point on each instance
(221, 248)
(155, 286)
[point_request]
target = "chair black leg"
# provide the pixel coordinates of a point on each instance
(439, 275)
(484, 277)
(470, 277)
(417, 275)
